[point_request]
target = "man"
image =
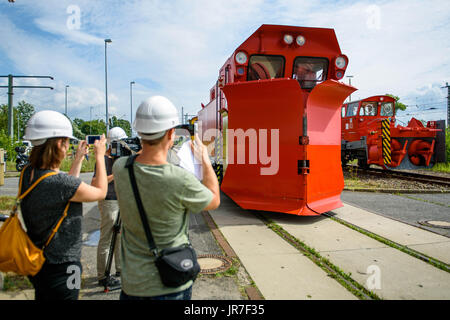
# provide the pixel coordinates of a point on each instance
(168, 193)
(304, 72)
(109, 209)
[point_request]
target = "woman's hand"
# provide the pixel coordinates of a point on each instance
(82, 151)
(100, 146)
(80, 154)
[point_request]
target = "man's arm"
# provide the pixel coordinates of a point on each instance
(209, 176)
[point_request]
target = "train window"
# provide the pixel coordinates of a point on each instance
(352, 108)
(386, 109)
(368, 109)
(343, 111)
(261, 67)
(310, 71)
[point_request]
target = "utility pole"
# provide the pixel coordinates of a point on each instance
(10, 87)
(448, 103)
(349, 83)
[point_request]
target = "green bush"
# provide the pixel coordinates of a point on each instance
(8, 145)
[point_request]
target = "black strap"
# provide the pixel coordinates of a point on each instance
(142, 213)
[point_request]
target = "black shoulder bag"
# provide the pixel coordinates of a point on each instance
(176, 265)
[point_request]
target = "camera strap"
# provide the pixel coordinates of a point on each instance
(148, 233)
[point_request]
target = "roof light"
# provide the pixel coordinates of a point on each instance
(341, 62)
(300, 40)
(288, 39)
(241, 57)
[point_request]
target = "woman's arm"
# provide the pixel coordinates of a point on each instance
(82, 150)
(99, 187)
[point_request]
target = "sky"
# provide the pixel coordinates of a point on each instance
(175, 48)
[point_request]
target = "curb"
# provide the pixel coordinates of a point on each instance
(251, 291)
(398, 190)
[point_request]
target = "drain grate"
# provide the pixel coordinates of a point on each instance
(212, 263)
(436, 224)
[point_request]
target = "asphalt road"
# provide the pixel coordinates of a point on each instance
(408, 208)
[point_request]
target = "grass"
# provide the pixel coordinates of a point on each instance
(441, 167)
(14, 282)
(6, 202)
(87, 165)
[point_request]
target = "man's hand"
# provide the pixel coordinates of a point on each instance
(199, 150)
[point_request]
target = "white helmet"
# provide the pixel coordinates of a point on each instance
(47, 124)
(116, 133)
(154, 117)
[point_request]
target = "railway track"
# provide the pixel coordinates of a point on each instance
(346, 251)
(404, 175)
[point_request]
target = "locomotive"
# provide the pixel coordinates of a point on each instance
(272, 123)
(370, 135)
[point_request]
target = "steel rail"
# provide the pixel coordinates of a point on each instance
(434, 262)
(403, 175)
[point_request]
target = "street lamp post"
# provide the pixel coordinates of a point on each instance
(131, 106)
(65, 109)
(349, 83)
(106, 88)
(90, 120)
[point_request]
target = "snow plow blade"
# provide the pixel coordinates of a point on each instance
(283, 146)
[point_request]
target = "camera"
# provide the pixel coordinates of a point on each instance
(185, 130)
(90, 139)
(125, 147)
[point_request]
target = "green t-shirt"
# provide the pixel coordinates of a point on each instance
(168, 194)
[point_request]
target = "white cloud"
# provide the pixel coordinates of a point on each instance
(175, 48)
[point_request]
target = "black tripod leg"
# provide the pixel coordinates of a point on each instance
(116, 231)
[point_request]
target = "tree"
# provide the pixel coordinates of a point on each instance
(124, 124)
(25, 111)
(398, 104)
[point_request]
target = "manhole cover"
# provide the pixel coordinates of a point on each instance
(211, 263)
(436, 224)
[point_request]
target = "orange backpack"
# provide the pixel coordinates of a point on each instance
(18, 253)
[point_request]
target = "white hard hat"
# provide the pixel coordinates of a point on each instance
(154, 117)
(47, 124)
(116, 133)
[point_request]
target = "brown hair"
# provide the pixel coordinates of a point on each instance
(47, 155)
(155, 141)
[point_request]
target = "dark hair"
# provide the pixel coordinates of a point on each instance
(47, 155)
(155, 141)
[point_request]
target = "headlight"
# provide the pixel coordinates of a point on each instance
(288, 39)
(339, 75)
(300, 40)
(340, 62)
(241, 57)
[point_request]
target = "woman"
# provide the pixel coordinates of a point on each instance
(49, 133)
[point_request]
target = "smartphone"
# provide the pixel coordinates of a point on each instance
(90, 139)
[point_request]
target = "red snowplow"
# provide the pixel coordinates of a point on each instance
(276, 112)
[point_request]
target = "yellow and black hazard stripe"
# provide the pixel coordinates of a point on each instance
(218, 168)
(386, 140)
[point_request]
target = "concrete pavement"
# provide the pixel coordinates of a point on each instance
(280, 271)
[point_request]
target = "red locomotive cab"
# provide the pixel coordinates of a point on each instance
(277, 109)
(369, 134)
